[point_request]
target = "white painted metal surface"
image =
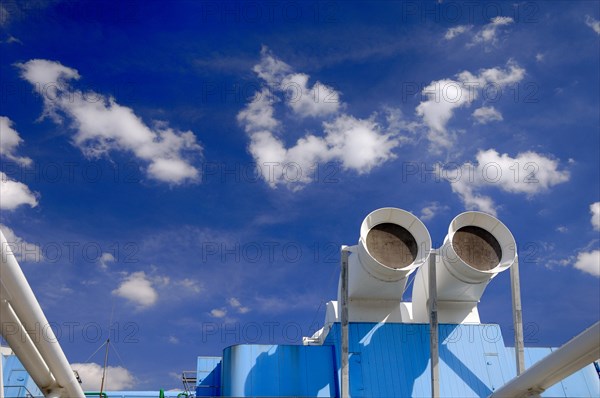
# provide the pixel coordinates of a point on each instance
(572, 356)
(16, 292)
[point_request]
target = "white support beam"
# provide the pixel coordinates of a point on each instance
(515, 287)
(17, 292)
(345, 382)
(433, 327)
(578, 352)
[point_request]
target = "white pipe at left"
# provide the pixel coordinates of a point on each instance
(29, 312)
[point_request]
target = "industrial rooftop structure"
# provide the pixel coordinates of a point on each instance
(372, 343)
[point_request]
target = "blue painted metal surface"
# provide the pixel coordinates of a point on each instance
(143, 394)
(17, 382)
(392, 360)
(386, 360)
(208, 377)
(278, 371)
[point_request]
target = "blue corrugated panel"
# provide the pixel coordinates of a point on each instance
(278, 371)
(392, 360)
(17, 382)
(142, 394)
(208, 377)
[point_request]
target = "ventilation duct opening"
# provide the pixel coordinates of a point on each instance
(392, 245)
(477, 247)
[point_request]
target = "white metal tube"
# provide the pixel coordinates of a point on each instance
(515, 288)
(370, 276)
(578, 352)
(345, 371)
(21, 343)
(29, 312)
(433, 328)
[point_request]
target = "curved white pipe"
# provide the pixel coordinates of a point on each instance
(461, 281)
(578, 352)
(30, 314)
(22, 345)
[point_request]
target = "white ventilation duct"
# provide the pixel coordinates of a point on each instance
(21, 312)
(477, 248)
(392, 244)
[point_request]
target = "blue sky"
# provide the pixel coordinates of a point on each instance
(189, 170)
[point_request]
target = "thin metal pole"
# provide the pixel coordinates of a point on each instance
(104, 370)
(433, 327)
(345, 382)
(515, 287)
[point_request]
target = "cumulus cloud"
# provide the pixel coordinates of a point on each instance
(589, 262)
(445, 96)
(358, 144)
(102, 125)
(237, 305)
(487, 114)
(218, 312)
(595, 210)
(117, 377)
(456, 31)
(190, 285)
(14, 194)
(9, 141)
(431, 210)
(528, 173)
(488, 34)
(105, 259)
(23, 250)
(593, 23)
(304, 100)
(4, 15)
(137, 289)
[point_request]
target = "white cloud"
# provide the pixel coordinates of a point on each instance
(457, 30)
(539, 57)
(102, 125)
(589, 262)
(23, 250)
(173, 340)
(4, 15)
(562, 229)
(528, 173)
(117, 377)
(593, 23)
(138, 289)
(190, 285)
(595, 210)
(489, 32)
(104, 259)
(359, 144)
(235, 303)
(318, 100)
(218, 313)
(14, 194)
(431, 210)
(447, 95)
(9, 141)
(487, 114)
